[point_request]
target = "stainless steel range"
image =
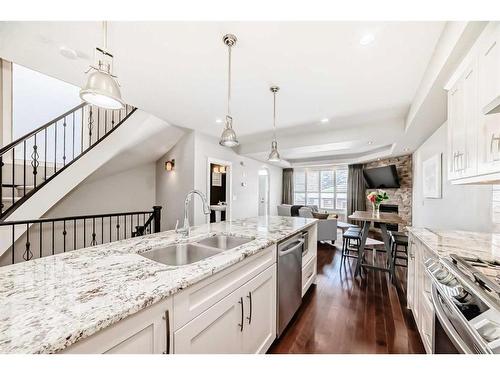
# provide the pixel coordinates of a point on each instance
(466, 299)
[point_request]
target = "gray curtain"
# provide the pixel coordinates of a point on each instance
(287, 194)
(356, 191)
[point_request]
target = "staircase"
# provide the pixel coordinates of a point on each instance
(30, 162)
(39, 169)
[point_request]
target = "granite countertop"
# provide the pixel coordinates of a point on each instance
(468, 244)
(50, 303)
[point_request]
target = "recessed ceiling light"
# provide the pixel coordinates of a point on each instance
(366, 39)
(370, 142)
(406, 149)
(68, 53)
(218, 120)
(324, 120)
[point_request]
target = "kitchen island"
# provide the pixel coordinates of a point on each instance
(49, 304)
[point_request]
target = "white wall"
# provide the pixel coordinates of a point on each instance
(172, 187)
(130, 190)
(463, 207)
(245, 198)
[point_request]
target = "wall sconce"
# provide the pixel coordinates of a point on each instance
(170, 165)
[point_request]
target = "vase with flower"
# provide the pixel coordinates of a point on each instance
(376, 198)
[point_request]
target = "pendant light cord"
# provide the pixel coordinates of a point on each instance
(229, 84)
(105, 36)
(274, 115)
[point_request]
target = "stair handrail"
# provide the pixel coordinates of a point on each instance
(91, 126)
(8, 147)
(148, 221)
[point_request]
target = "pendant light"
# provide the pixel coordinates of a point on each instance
(228, 136)
(102, 89)
(274, 154)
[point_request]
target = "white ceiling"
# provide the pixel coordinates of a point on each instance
(177, 71)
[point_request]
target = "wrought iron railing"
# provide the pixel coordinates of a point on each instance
(49, 236)
(31, 161)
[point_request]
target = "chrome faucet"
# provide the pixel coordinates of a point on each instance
(185, 230)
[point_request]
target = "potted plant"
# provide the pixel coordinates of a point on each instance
(376, 198)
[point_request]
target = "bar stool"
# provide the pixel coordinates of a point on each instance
(399, 240)
(347, 237)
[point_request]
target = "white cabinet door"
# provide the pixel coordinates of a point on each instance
(259, 330)
(456, 131)
(145, 332)
(489, 69)
(217, 330)
(471, 119)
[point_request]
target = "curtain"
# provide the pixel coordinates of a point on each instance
(287, 194)
(356, 192)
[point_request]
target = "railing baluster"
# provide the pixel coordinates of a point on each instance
(53, 237)
(41, 240)
(24, 173)
(64, 142)
(73, 143)
(84, 233)
(81, 136)
(27, 254)
(34, 162)
(93, 243)
(64, 236)
(90, 124)
(98, 122)
(13, 243)
(102, 230)
(45, 157)
(110, 220)
(117, 228)
(13, 173)
(124, 226)
(55, 147)
(74, 234)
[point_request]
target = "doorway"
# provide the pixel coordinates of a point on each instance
(263, 191)
(219, 190)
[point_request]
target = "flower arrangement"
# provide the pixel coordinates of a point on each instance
(376, 198)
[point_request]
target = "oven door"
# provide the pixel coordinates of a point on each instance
(451, 332)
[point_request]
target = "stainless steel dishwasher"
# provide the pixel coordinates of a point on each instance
(289, 280)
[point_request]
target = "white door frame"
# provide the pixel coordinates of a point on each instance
(229, 183)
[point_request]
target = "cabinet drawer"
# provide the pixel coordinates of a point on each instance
(194, 300)
(308, 274)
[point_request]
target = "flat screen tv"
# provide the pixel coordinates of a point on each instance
(381, 177)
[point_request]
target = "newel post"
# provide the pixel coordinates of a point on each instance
(157, 218)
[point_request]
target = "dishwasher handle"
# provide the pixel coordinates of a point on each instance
(289, 250)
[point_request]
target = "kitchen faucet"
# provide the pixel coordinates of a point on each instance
(185, 230)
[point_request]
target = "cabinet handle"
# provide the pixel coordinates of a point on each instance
(242, 313)
(166, 318)
(491, 47)
(249, 318)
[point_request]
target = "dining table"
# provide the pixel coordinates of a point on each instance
(368, 217)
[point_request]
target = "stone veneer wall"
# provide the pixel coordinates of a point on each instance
(403, 195)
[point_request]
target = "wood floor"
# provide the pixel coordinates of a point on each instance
(347, 315)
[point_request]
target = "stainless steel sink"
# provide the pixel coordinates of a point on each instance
(224, 242)
(181, 254)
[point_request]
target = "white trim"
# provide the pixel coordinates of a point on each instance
(229, 183)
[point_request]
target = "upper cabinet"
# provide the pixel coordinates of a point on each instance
(473, 125)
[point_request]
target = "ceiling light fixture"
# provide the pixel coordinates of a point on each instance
(366, 39)
(218, 121)
(324, 120)
(228, 136)
(102, 89)
(274, 154)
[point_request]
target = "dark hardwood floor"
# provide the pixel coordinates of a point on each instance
(347, 315)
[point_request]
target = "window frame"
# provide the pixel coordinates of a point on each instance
(336, 189)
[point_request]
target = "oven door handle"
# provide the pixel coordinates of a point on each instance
(446, 324)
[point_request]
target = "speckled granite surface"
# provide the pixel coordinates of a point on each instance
(469, 244)
(49, 303)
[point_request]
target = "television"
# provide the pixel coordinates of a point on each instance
(381, 177)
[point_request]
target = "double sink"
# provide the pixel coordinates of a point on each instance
(187, 253)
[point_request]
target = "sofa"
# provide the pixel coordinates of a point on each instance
(327, 229)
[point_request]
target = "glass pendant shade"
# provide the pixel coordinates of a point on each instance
(102, 90)
(228, 136)
(274, 155)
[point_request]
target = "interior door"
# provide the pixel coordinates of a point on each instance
(260, 312)
(216, 331)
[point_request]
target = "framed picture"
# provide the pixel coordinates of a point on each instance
(432, 170)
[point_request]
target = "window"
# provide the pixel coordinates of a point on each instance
(325, 188)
